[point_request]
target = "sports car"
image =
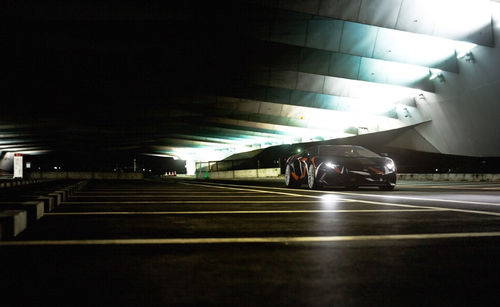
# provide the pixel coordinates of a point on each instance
(340, 165)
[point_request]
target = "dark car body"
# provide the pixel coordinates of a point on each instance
(340, 165)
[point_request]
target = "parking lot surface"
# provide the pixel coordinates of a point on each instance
(219, 243)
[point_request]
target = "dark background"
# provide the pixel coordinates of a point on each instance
(102, 82)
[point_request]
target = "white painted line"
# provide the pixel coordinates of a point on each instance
(385, 195)
(159, 202)
(234, 212)
(247, 188)
(164, 241)
(181, 192)
(463, 187)
(341, 199)
(428, 207)
(177, 189)
(256, 195)
(448, 185)
(368, 201)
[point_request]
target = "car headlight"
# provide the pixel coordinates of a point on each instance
(391, 167)
(330, 165)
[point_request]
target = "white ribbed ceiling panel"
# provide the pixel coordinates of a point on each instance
(463, 20)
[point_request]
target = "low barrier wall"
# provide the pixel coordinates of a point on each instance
(240, 174)
(18, 182)
(252, 173)
(85, 175)
(275, 173)
(449, 177)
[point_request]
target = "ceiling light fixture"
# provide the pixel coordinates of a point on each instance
(436, 73)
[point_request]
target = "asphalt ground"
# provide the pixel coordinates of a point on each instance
(184, 242)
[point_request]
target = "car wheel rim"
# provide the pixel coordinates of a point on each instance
(287, 175)
(310, 178)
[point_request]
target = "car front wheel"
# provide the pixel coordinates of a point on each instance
(312, 182)
(290, 182)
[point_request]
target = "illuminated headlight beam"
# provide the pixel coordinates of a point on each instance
(390, 167)
(330, 165)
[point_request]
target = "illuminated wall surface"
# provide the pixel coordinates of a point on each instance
(325, 69)
(331, 69)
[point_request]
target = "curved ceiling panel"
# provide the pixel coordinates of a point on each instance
(463, 20)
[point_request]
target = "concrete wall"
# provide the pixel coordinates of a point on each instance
(450, 177)
(465, 110)
(268, 172)
(275, 173)
(248, 173)
(17, 182)
(220, 175)
(240, 174)
(85, 175)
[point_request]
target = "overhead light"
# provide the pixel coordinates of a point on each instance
(406, 113)
(464, 50)
(436, 73)
(468, 56)
(419, 98)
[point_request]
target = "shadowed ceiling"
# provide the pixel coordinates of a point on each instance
(205, 79)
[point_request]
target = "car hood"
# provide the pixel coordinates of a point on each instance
(356, 163)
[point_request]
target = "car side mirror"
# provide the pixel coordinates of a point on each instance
(384, 154)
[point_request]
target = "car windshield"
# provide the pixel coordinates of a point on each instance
(346, 151)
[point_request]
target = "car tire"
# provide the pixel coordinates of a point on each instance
(312, 181)
(290, 182)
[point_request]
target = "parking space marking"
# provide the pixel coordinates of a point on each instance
(235, 212)
(164, 192)
(462, 187)
(428, 207)
(493, 187)
(281, 240)
(366, 201)
(377, 195)
(256, 195)
(251, 189)
(160, 202)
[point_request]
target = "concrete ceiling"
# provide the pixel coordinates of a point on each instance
(182, 79)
